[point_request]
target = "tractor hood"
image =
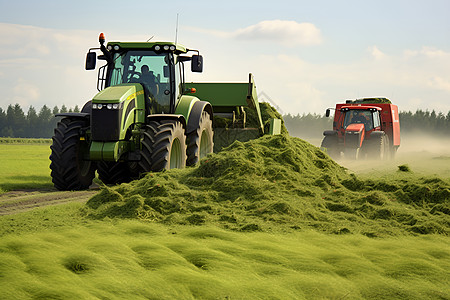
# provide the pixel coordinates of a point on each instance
(119, 93)
(354, 135)
(115, 109)
(355, 127)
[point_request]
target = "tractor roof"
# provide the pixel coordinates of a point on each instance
(360, 107)
(149, 45)
(370, 100)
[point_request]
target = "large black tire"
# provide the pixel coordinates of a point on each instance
(70, 171)
(378, 147)
(200, 142)
(163, 146)
(113, 172)
(330, 144)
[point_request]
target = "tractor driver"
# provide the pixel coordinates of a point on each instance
(361, 118)
(149, 81)
(151, 88)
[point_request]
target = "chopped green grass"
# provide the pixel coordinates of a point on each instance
(281, 183)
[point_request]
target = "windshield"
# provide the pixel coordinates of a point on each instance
(149, 69)
(359, 116)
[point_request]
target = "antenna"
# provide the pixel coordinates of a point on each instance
(176, 31)
(150, 38)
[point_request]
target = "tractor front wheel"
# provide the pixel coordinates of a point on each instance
(163, 146)
(70, 170)
(330, 144)
(200, 141)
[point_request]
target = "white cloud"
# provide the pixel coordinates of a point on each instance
(428, 52)
(376, 53)
(434, 53)
(286, 32)
(439, 83)
(290, 33)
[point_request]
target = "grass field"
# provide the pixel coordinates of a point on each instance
(24, 165)
(57, 252)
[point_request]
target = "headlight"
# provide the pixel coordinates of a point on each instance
(116, 47)
(157, 47)
(109, 47)
(100, 106)
(115, 106)
(172, 48)
(109, 106)
(94, 106)
(166, 47)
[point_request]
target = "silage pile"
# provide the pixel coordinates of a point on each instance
(279, 183)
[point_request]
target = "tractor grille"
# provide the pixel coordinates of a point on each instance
(352, 139)
(105, 124)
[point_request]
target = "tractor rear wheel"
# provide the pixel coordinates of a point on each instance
(70, 170)
(200, 141)
(163, 147)
(113, 172)
(378, 147)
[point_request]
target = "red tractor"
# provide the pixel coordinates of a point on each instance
(363, 128)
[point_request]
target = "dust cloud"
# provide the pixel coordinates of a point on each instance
(425, 154)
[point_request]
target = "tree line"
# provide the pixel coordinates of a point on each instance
(15, 123)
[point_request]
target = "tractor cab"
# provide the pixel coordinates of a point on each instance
(369, 117)
(157, 66)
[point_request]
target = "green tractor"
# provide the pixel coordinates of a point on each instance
(145, 118)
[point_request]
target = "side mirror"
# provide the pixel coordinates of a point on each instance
(166, 71)
(197, 63)
(327, 113)
(91, 59)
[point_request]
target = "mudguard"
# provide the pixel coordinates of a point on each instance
(196, 113)
(377, 133)
(74, 115)
(160, 117)
(330, 132)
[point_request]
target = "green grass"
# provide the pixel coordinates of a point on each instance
(282, 183)
(131, 259)
(5, 140)
(24, 166)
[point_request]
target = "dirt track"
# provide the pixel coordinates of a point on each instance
(19, 201)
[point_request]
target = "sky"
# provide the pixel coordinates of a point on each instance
(305, 56)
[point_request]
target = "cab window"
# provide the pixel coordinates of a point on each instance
(147, 68)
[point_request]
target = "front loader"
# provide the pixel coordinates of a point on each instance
(145, 118)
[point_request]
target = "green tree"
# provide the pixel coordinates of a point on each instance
(55, 110)
(46, 118)
(2, 119)
(16, 121)
(32, 130)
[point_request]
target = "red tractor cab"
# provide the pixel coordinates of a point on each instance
(366, 128)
